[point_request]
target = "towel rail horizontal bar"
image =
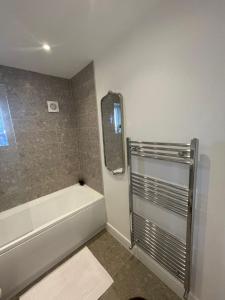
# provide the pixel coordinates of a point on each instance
(167, 235)
(150, 238)
(160, 153)
(166, 185)
(171, 159)
(161, 202)
(166, 152)
(162, 252)
(155, 188)
(180, 255)
(181, 212)
(158, 196)
(161, 144)
(171, 244)
(166, 149)
(183, 200)
(161, 182)
(162, 262)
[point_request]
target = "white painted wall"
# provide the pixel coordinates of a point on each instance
(171, 72)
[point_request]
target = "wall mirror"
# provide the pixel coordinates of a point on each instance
(112, 127)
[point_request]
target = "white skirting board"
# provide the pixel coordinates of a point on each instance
(153, 266)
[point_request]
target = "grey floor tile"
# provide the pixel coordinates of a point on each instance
(164, 293)
(109, 252)
(131, 277)
(110, 294)
(135, 280)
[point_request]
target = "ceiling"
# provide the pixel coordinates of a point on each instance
(77, 30)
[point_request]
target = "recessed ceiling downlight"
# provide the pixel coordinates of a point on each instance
(46, 47)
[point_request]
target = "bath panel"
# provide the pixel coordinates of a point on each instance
(68, 219)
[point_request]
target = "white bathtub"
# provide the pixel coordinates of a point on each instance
(37, 235)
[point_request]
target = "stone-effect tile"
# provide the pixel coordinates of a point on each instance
(83, 86)
(45, 157)
(109, 252)
(50, 150)
(110, 294)
(135, 280)
(131, 277)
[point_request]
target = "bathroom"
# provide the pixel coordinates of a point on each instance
(112, 150)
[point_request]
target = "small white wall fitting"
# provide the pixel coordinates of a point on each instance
(53, 106)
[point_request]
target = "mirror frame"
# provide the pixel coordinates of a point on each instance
(118, 95)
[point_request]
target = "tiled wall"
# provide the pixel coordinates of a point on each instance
(84, 93)
(43, 155)
(47, 151)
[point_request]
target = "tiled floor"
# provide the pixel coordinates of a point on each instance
(131, 277)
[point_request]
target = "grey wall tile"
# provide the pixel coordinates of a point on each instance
(50, 150)
(83, 85)
(45, 157)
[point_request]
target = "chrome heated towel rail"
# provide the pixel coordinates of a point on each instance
(167, 249)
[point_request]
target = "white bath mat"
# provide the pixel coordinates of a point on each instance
(81, 277)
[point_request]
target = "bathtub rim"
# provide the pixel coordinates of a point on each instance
(33, 233)
(36, 201)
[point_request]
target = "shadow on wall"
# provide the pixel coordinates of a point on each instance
(214, 245)
(200, 217)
